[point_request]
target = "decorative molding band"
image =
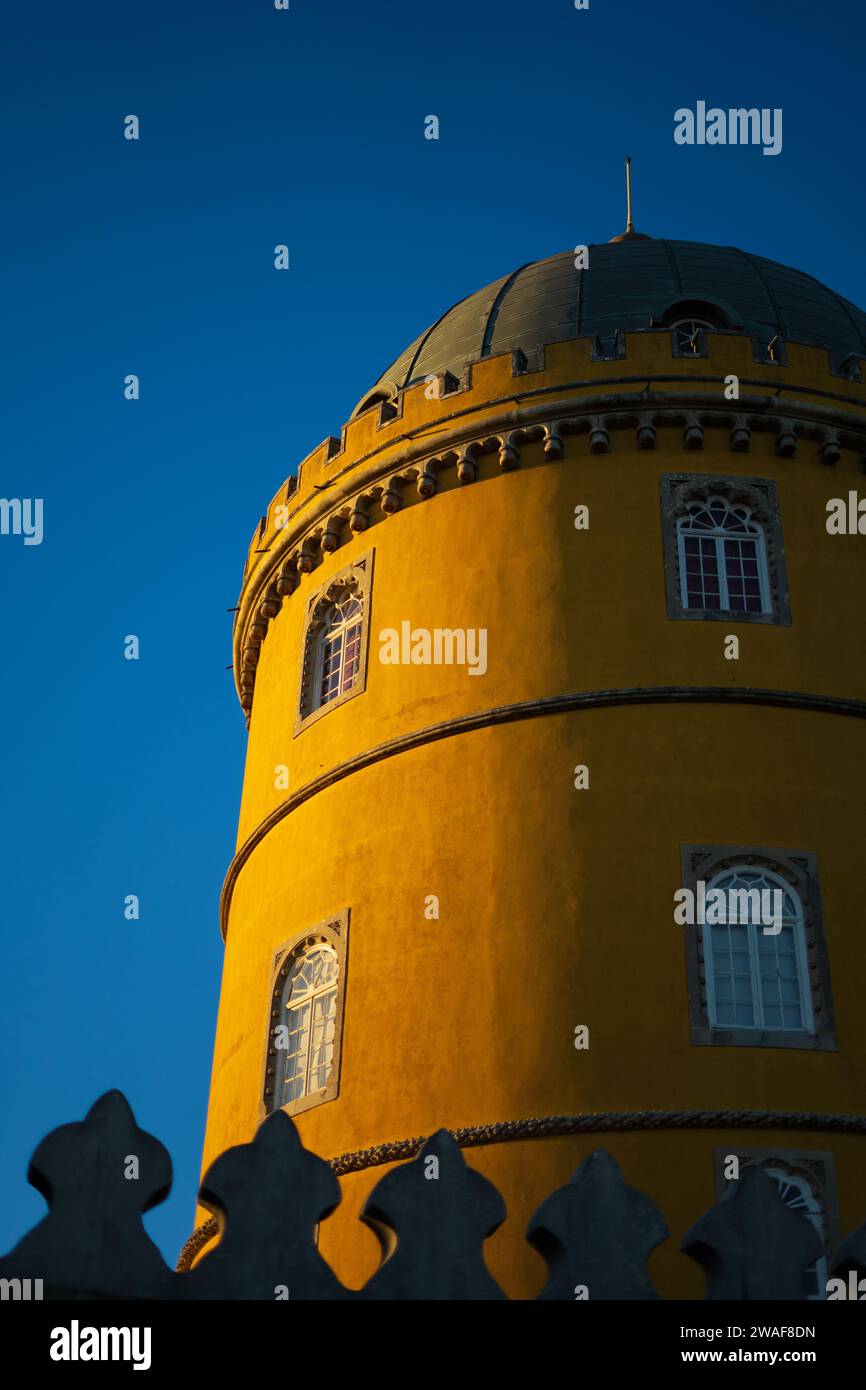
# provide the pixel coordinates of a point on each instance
(371, 490)
(561, 1126)
(528, 709)
(602, 1122)
(196, 1242)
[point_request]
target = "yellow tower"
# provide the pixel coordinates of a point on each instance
(558, 638)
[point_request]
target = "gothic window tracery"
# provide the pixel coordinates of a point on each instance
(723, 557)
(723, 552)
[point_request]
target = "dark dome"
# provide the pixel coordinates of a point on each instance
(637, 283)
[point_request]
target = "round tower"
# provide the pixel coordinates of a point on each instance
(558, 639)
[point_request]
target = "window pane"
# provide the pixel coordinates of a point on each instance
(741, 570)
(309, 1008)
(732, 545)
(732, 978)
(760, 969)
(340, 650)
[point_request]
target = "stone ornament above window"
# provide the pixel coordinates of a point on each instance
(724, 557)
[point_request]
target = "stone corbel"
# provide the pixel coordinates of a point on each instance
(467, 468)
(646, 432)
(251, 654)
(553, 445)
(307, 558)
(786, 440)
(509, 456)
(741, 435)
(288, 579)
(427, 480)
(332, 534)
(271, 603)
(391, 498)
(599, 438)
(693, 433)
(830, 452)
(359, 518)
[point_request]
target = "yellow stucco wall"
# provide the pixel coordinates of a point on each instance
(556, 905)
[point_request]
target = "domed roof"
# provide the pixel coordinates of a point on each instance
(633, 283)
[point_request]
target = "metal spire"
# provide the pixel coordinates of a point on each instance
(629, 234)
(629, 225)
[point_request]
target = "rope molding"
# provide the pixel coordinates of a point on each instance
(559, 1126)
(526, 709)
(301, 545)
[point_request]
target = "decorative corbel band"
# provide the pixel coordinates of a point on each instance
(320, 527)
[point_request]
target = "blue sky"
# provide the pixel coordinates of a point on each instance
(155, 257)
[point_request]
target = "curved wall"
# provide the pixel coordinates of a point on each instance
(556, 905)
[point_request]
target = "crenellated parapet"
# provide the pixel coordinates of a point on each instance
(489, 421)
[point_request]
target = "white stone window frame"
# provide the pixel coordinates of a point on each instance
(334, 932)
(356, 580)
(798, 868)
(677, 492)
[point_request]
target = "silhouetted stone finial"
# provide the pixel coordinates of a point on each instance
(750, 1245)
(98, 1176)
(441, 1212)
(270, 1195)
(596, 1234)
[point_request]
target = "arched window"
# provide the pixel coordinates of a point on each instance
(723, 558)
(688, 321)
(339, 650)
(303, 1035)
(336, 633)
(689, 334)
(757, 976)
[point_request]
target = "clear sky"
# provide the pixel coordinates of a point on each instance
(155, 257)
